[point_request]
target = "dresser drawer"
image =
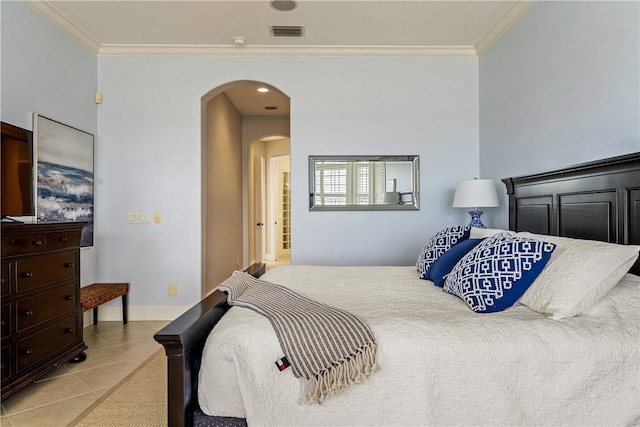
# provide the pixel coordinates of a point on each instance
(38, 308)
(6, 320)
(47, 342)
(5, 362)
(64, 239)
(5, 279)
(41, 270)
(23, 244)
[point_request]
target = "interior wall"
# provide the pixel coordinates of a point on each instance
(44, 71)
(224, 226)
(560, 87)
(424, 106)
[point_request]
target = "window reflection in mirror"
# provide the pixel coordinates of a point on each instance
(363, 183)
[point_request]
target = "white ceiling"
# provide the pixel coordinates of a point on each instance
(425, 28)
(331, 27)
(250, 102)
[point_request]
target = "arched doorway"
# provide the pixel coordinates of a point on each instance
(234, 116)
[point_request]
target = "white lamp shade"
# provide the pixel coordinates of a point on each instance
(476, 193)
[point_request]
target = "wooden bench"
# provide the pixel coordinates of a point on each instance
(98, 293)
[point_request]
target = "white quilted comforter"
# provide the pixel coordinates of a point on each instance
(441, 363)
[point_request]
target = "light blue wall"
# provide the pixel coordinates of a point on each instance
(560, 87)
(44, 71)
(151, 132)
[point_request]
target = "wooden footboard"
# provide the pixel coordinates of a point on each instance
(183, 341)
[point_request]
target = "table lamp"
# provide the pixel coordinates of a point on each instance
(476, 193)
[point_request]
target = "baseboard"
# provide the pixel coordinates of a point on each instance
(139, 312)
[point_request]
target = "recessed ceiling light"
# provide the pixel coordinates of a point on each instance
(284, 5)
(263, 90)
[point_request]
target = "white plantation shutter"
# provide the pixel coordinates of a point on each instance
(342, 183)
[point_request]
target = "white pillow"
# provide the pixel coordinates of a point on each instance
(481, 233)
(579, 273)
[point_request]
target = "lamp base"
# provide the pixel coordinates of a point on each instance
(475, 219)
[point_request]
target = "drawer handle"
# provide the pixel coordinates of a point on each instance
(69, 330)
(26, 274)
(27, 352)
(64, 239)
(68, 265)
(37, 243)
(27, 313)
(69, 297)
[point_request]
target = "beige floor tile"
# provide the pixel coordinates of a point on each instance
(63, 394)
(99, 357)
(44, 393)
(101, 392)
(142, 349)
(58, 372)
(107, 328)
(154, 325)
(123, 335)
(108, 375)
(56, 414)
(93, 341)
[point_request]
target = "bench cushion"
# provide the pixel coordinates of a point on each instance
(98, 293)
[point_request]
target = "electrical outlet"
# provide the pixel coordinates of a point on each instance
(173, 289)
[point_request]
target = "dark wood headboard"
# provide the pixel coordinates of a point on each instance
(597, 201)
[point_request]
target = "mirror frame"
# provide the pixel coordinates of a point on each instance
(411, 206)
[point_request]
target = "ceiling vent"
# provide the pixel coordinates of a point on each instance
(287, 30)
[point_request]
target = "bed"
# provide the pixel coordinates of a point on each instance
(596, 201)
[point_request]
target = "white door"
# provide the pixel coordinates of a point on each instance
(259, 207)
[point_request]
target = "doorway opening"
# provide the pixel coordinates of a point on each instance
(242, 130)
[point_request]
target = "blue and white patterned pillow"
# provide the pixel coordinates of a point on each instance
(441, 242)
(441, 267)
(497, 272)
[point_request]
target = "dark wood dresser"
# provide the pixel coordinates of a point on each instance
(41, 317)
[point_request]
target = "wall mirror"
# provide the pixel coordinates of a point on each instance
(363, 183)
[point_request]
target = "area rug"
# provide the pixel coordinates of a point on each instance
(140, 400)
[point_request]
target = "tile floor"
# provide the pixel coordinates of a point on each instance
(56, 399)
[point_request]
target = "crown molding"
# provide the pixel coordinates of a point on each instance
(288, 51)
(50, 13)
(504, 23)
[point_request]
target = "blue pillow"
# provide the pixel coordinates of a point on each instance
(443, 265)
(441, 242)
(497, 272)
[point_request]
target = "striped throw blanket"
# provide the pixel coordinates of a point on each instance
(328, 348)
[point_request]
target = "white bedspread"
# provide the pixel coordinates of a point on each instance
(441, 363)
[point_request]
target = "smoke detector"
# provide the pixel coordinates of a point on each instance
(283, 5)
(239, 41)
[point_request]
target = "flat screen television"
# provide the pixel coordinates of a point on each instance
(16, 172)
